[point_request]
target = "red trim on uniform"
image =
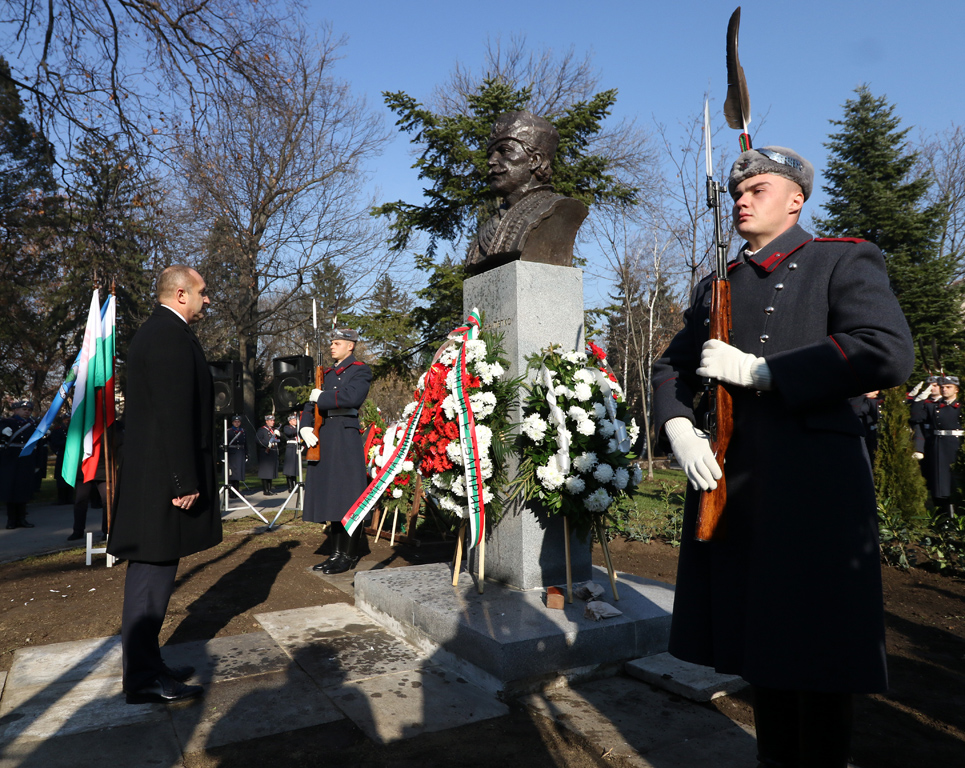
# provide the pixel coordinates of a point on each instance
(840, 240)
(341, 370)
(672, 378)
(834, 341)
(773, 261)
(733, 265)
(326, 372)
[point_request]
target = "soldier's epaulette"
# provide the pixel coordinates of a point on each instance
(338, 371)
(840, 240)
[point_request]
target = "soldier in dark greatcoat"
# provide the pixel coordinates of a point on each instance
(338, 478)
(267, 438)
(167, 503)
(944, 420)
(867, 408)
(918, 399)
(292, 455)
(237, 452)
(18, 474)
(790, 598)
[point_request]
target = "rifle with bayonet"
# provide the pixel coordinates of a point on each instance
(315, 452)
(720, 413)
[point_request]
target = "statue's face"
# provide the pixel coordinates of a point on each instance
(510, 167)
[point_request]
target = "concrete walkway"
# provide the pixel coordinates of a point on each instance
(314, 666)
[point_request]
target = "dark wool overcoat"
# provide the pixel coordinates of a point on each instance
(168, 446)
(791, 598)
(267, 442)
(290, 434)
(941, 450)
(338, 478)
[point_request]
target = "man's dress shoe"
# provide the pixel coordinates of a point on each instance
(163, 689)
(324, 564)
(340, 564)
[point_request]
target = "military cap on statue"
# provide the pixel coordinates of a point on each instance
(780, 161)
(346, 334)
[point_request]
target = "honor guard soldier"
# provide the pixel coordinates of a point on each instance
(789, 598)
(925, 392)
(18, 475)
(944, 434)
(237, 452)
(267, 438)
(292, 456)
(335, 482)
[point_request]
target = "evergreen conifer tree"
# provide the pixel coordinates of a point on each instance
(873, 194)
(898, 480)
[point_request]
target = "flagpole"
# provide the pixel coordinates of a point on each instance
(109, 445)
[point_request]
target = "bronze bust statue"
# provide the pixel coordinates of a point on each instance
(533, 223)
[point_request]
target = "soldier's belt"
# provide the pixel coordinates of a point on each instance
(949, 432)
(342, 412)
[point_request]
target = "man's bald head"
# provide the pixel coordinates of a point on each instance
(174, 277)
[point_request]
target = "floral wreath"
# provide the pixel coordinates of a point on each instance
(457, 428)
(382, 442)
(575, 436)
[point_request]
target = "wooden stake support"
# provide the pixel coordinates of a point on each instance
(457, 563)
(601, 535)
(569, 566)
(481, 581)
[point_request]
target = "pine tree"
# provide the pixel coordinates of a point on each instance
(388, 329)
(873, 195)
(898, 480)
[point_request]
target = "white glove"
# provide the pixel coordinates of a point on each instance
(918, 455)
(308, 435)
(691, 446)
(276, 433)
(731, 366)
(313, 398)
(923, 395)
(917, 389)
(8, 432)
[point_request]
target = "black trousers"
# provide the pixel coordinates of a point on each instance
(147, 591)
(802, 729)
(82, 502)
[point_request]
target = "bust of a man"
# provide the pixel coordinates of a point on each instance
(533, 223)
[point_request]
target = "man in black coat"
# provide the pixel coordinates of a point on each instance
(944, 434)
(292, 452)
(167, 506)
(237, 452)
(338, 478)
(790, 598)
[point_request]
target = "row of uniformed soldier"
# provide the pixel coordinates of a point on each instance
(936, 420)
(19, 476)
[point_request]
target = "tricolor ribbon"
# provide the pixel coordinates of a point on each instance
(475, 506)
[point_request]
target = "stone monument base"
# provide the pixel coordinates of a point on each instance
(506, 640)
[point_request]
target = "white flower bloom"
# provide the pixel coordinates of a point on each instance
(612, 446)
(485, 372)
(407, 466)
(484, 438)
(534, 427)
(396, 493)
(440, 480)
(604, 427)
(550, 477)
(634, 431)
(475, 350)
(620, 478)
(575, 357)
(451, 379)
(598, 501)
(454, 452)
(487, 495)
(575, 485)
(603, 473)
(586, 427)
(449, 407)
(561, 390)
(496, 370)
(576, 413)
(449, 354)
(483, 404)
(458, 486)
(582, 392)
(584, 376)
(637, 474)
(585, 462)
(420, 385)
(599, 411)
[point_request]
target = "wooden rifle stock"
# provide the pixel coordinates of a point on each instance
(315, 452)
(720, 419)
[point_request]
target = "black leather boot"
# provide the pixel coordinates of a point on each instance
(351, 556)
(776, 722)
(339, 539)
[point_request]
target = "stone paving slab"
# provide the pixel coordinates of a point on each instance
(228, 658)
(693, 681)
(337, 643)
(405, 704)
(639, 723)
(251, 708)
(57, 709)
(144, 745)
(66, 662)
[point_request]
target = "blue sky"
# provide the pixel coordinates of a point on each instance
(802, 61)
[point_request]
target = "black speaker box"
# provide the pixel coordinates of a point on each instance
(295, 371)
(229, 393)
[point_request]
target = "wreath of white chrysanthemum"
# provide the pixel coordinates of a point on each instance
(438, 448)
(575, 446)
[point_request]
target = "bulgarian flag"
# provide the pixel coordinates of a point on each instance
(103, 365)
(80, 435)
